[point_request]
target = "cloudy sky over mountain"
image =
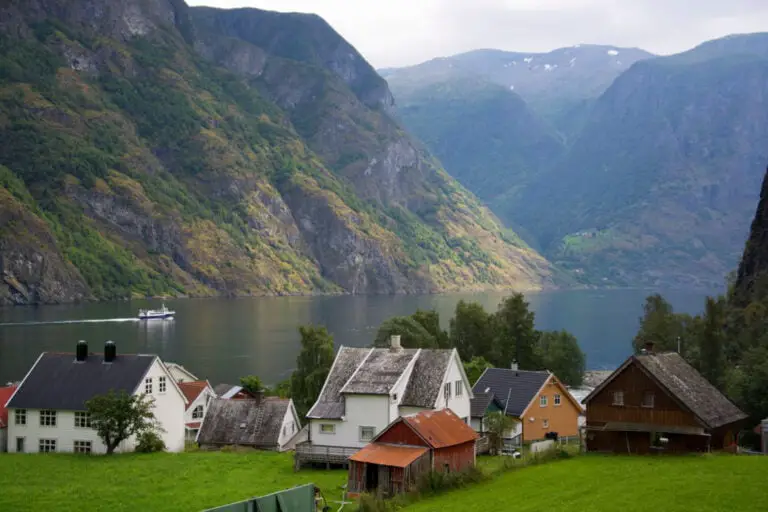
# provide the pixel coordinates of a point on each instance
(403, 32)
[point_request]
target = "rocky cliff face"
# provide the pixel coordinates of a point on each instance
(754, 262)
(147, 168)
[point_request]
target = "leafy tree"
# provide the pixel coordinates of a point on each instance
(252, 383)
(312, 366)
(498, 423)
(117, 416)
(430, 320)
(475, 368)
(660, 325)
(471, 331)
(515, 336)
(412, 333)
(712, 362)
(749, 382)
(560, 353)
(281, 389)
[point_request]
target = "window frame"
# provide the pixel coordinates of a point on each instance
(148, 386)
(48, 418)
(82, 419)
(543, 401)
(360, 433)
(652, 403)
(20, 414)
(23, 444)
(49, 444)
(447, 390)
(545, 423)
(459, 391)
(322, 430)
(83, 447)
(201, 413)
(162, 385)
(557, 400)
(617, 398)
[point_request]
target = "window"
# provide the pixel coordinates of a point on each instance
(367, 433)
(47, 418)
(557, 399)
(545, 423)
(161, 384)
(648, 399)
(19, 445)
(543, 401)
(327, 428)
(394, 397)
(197, 412)
(618, 398)
(83, 420)
(47, 445)
(459, 388)
(82, 447)
(148, 385)
(447, 389)
(20, 416)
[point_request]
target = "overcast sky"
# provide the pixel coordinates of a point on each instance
(404, 32)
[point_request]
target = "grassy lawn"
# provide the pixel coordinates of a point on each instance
(626, 484)
(158, 482)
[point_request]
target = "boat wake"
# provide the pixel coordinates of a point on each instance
(59, 322)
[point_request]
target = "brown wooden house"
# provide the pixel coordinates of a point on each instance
(409, 447)
(657, 402)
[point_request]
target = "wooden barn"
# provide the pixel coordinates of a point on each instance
(410, 447)
(657, 403)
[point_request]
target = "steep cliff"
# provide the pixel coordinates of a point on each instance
(754, 262)
(145, 167)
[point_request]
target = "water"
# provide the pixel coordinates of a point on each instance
(223, 339)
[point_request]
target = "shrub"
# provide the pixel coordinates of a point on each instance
(149, 442)
(372, 503)
(436, 482)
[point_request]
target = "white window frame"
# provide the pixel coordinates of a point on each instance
(46, 445)
(459, 388)
(545, 423)
(82, 419)
(447, 390)
(617, 398)
(48, 418)
(198, 412)
(148, 386)
(556, 400)
(543, 401)
(82, 447)
(20, 417)
(23, 444)
(330, 432)
(649, 404)
(161, 385)
(362, 437)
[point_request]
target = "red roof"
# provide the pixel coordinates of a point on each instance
(389, 454)
(440, 428)
(192, 390)
(194, 424)
(5, 395)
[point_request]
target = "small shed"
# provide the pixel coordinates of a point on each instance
(410, 447)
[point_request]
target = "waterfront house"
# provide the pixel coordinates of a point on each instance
(198, 393)
(410, 447)
(368, 388)
(47, 412)
(537, 401)
(263, 423)
(657, 402)
(5, 394)
(180, 374)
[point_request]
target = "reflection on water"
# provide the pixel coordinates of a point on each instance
(223, 339)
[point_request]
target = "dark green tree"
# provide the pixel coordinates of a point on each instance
(475, 368)
(412, 333)
(560, 353)
(712, 360)
(430, 320)
(253, 384)
(515, 337)
(312, 366)
(661, 325)
(117, 416)
(471, 331)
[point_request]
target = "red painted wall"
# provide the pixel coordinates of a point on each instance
(456, 457)
(401, 434)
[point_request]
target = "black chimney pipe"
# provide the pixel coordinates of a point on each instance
(81, 352)
(110, 351)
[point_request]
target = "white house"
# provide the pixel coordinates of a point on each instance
(263, 423)
(5, 394)
(180, 374)
(198, 393)
(47, 412)
(368, 388)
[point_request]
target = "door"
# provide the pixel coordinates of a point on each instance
(19, 445)
(371, 477)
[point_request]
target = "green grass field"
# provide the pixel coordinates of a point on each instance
(613, 483)
(186, 482)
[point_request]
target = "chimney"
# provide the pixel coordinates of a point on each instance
(258, 396)
(110, 351)
(394, 343)
(648, 349)
(513, 366)
(81, 351)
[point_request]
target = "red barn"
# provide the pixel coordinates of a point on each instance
(409, 447)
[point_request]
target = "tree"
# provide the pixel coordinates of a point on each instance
(475, 368)
(471, 331)
(515, 336)
(430, 320)
(660, 325)
(412, 333)
(560, 353)
(712, 361)
(117, 416)
(498, 424)
(253, 384)
(312, 366)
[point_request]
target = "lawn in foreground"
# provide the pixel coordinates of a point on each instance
(618, 483)
(158, 482)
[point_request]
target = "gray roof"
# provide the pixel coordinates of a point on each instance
(691, 388)
(220, 389)
(58, 381)
(375, 371)
(514, 389)
(244, 422)
(426, 378)
(479, 404)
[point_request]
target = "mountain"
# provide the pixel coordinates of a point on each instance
(753, 267)
(150, 148)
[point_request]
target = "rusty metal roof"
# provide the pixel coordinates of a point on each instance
(440, 428)
(389, 454)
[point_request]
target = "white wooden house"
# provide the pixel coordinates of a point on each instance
(47, 412)
(368, 388)
(199, 393)
(181, 374)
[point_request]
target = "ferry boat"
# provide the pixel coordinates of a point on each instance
(163, 312)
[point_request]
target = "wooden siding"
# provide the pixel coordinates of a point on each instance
(454, 458)
(401, 433)
(563, 418)
(391, 480)
(640, 443)
(634, 383)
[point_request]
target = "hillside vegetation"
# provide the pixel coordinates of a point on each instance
(150, 149)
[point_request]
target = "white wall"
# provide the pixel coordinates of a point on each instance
(362, 410)
(458, 404)
(168, 409)
(288, 427)
(180, 375)
(3, 440)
